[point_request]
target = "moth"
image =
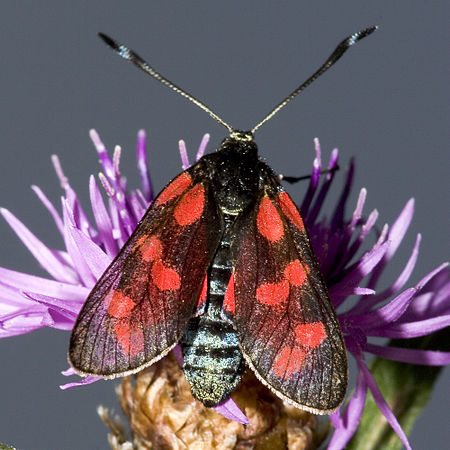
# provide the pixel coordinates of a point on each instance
(221, 263)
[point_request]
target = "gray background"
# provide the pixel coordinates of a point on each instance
(386, 103)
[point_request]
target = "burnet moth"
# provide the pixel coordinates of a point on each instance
(221, 263)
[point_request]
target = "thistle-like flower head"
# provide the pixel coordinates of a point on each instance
(351, 266)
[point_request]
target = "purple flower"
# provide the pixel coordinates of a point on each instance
(29, 302)
(391, 312)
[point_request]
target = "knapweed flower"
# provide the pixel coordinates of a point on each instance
(351, 267)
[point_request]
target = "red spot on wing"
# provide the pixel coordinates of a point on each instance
(290, 210)
(120, 305)
(190, 208)
(203, 292)
(165, 278)
(151, 248)
(272, 294)
(295, 273)
(288, 361)
(140, 241)
(310, 334)
(268, 221)
(130, 338)
(175, 189)
(229, 304)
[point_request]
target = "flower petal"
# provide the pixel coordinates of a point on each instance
(395, 236)
(141, 156)
(105, 160)
(412, 329)
(84, 381)
(43, 286)
(102, 219)
(388, 313)
(116, 161)
(12, 300)
(183, 154)
(433, 300)
(230, 410)
(346, 425)
(22, 323)
(410, 355)
(356, 273)
(51, 209)
(350, 290)
(350, 253)
(59, 320)
(382, 405)
(202, 147)
(68, 372)
(97, 260)
(78, 260)
(42, 253)
(392, 311)
(403, 277)
(325, 187)
(119, 210)
(79, 216)
(338, 215)
(135, 201)
(118, 230)
(70, 309)
(313, 182)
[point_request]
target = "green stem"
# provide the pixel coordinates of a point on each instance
(405, 387)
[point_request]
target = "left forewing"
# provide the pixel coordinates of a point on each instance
(139, 308)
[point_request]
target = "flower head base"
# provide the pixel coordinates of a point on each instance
(29, 302)
(161, 411)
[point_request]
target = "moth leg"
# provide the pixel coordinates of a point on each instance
(293, 180)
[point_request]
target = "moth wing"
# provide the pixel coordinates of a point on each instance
(139, 308)
(287, 328)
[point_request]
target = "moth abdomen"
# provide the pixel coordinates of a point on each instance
(213, 363)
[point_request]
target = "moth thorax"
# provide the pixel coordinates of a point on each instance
(236, 176)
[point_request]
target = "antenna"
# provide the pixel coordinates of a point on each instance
(333, 58)
(134, 58)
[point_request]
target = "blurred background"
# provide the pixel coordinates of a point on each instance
(386, 103)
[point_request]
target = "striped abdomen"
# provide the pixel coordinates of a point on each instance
(213, 363)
